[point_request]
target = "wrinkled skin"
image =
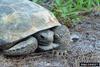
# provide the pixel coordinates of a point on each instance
(58, 37)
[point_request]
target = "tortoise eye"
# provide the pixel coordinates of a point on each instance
(42, 36)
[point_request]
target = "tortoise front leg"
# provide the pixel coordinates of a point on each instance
(22, 48)
(62, 36)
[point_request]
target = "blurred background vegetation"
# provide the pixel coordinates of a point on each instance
(67, 11)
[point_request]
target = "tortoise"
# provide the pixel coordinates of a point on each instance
(26, 27)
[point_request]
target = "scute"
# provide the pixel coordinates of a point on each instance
(24, 7)
(19, 22)
(27, 19)
(5, 10)
(11, 1)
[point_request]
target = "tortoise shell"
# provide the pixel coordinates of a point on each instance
(21, 18)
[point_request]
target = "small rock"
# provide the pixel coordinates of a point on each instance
(74, 37)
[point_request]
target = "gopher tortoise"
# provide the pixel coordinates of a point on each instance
(26, 26)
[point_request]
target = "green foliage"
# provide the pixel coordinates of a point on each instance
(68, 10)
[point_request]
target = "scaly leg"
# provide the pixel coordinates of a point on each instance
(62, 36)
(22, 48)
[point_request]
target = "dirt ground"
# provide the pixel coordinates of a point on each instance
(87, 49)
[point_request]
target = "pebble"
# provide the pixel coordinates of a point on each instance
(74, 37)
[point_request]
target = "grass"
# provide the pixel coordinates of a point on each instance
(68, 10)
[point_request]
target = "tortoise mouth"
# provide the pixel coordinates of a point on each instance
(44, 43)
